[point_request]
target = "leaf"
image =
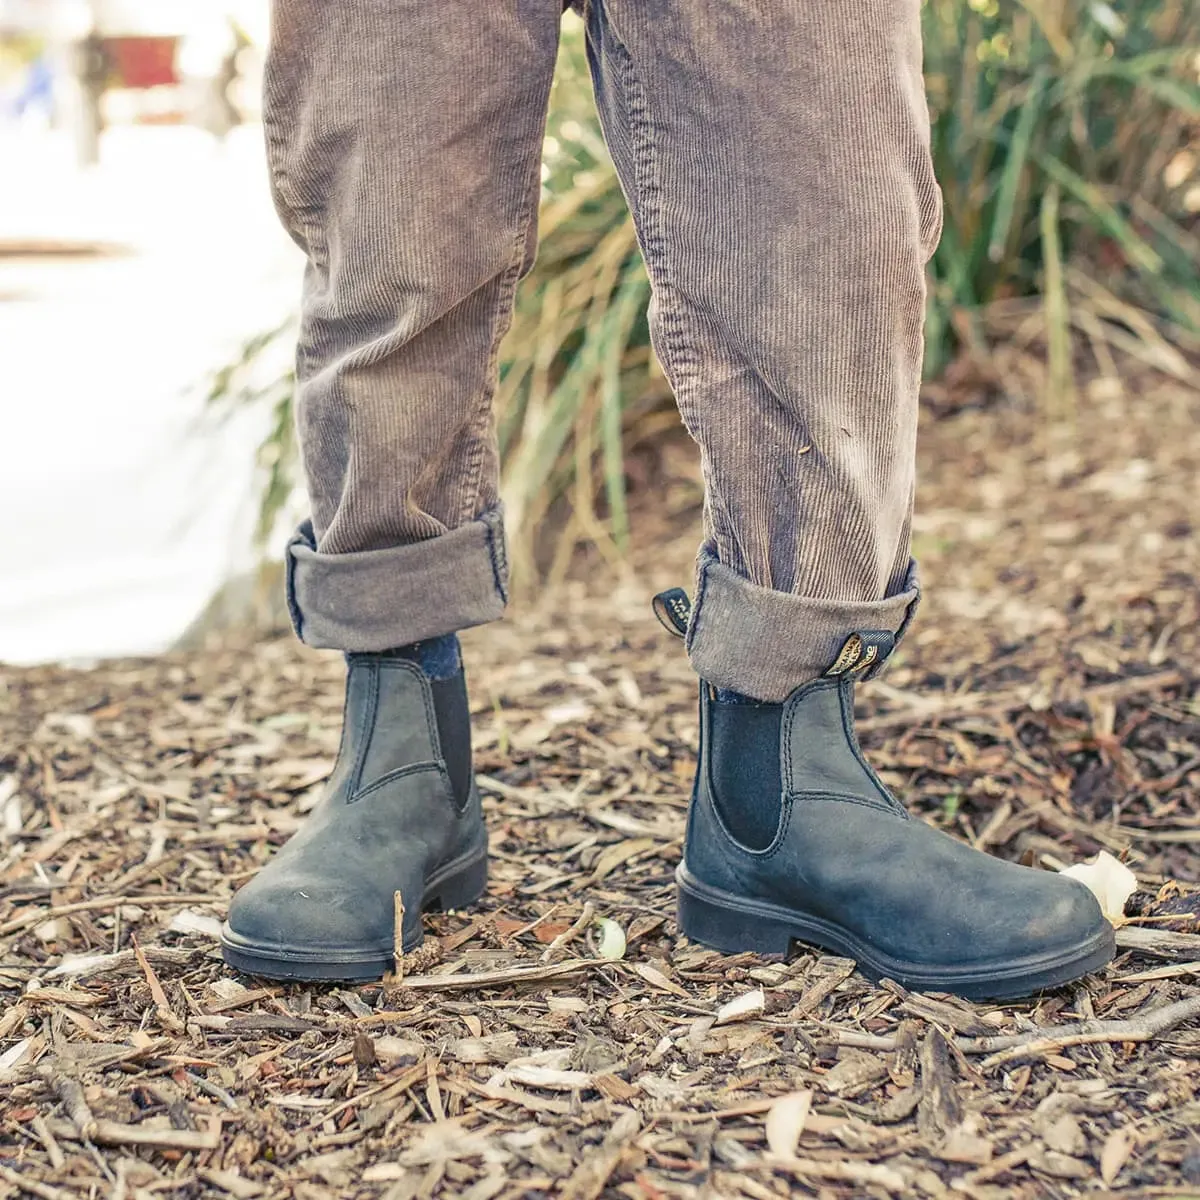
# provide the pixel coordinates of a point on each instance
(786, 1119)
(619, 853)
(14, 1054)
(187, 921)
(655, 978)
(612, 939)
(1117, 1148)
(751, 1004)
(11, 817)
(1110, 881)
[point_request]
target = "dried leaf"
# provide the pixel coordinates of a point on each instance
(749, 1004)
(11, 817)
(14, 1054)
(1110, 881)
(785, 1122)
(1117, 1148)
(655, 978)
(187, 921)
(618, 854)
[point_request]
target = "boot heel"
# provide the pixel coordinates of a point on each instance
(459, 889)
(706, 920)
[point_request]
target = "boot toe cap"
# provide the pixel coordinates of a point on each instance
(1065, 914)
(308, 915)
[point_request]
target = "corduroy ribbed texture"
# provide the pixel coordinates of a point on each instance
(775, 154)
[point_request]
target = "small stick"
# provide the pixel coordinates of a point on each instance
(980, 704)
(114, 1133)
(1082, 1033)
(53, 1149)
(162, 1006)
(564, 939)
(71, 1094)
(862, 1174)
(503, 975)
(31, 1186)
(1007, 1047)
(38, 915)
(398, 935)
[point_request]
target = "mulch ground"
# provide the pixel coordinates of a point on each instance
(1045, 707)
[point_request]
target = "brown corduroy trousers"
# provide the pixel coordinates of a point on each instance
(775, 156)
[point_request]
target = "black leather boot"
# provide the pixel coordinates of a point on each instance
(792, 836)
(401, 813)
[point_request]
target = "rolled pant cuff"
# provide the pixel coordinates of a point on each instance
(765, 644)
(378, 599)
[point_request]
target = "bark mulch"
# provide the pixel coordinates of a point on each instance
(1045, 707)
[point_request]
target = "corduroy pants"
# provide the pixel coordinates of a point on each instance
(775, 156)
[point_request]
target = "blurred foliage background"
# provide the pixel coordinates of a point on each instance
(1066, 136)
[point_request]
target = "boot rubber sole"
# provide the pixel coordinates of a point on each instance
(456, 884)
(735, 924)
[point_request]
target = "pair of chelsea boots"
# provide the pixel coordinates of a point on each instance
(791, 836)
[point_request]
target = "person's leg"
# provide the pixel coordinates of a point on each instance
(776, 159)
(405, 145)
(405, 148)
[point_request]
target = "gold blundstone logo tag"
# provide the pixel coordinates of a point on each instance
(867, 659)
(848, 656)
(855, 657)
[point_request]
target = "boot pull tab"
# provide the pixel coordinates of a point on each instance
(862, 653)
(674, 611)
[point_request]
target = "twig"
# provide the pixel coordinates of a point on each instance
(997, 703)
(53, 1149)
(1164, 942)
(71, 1094)
(398, 935)
(1007, 1047)
(1137, 1029)
(1176, 836)
(564, 939)
(1169, 972)
(213, 1090)
(114, 1133)
(380, 1093)
(89, 966)
(91, 1131)
(36, 916)
(24, 1184)
(162, 1006)
(862, 1174)
(504, 975)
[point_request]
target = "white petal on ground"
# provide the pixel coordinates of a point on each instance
(612, 939)
(785, 1122)
(1110, 881)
